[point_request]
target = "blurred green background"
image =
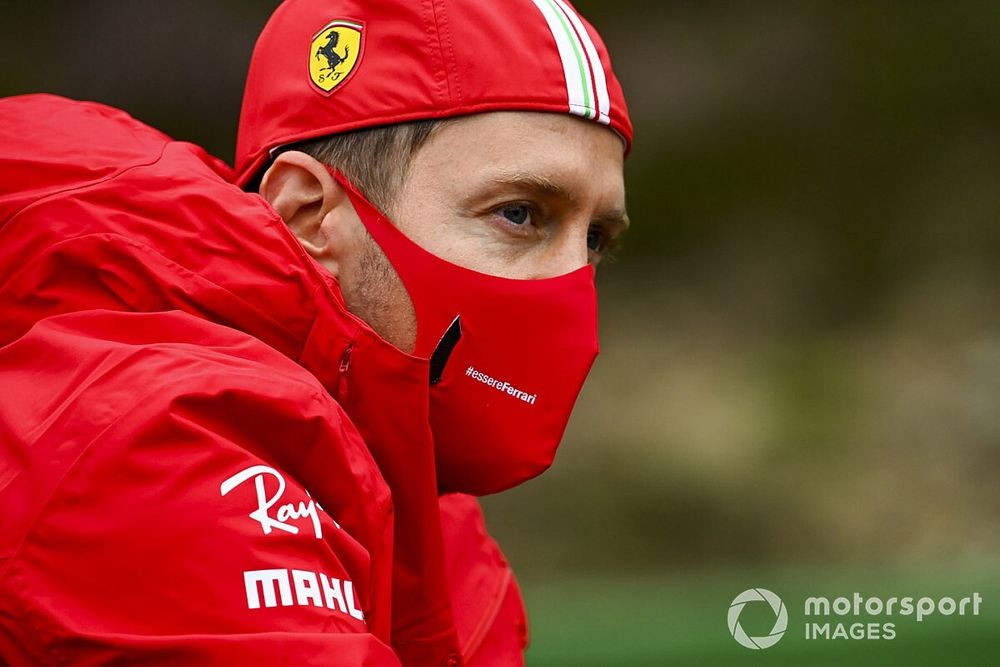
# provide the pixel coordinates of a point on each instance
(799, 386)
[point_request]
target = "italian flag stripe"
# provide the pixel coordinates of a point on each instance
(600, 80)
(586, 82)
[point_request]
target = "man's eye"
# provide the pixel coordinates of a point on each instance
(596, 239)
(518, 214)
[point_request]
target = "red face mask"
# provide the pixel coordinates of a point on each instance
(507, 358)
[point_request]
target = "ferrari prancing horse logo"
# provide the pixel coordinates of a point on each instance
(334, 53)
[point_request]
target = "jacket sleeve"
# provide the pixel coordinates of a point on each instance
(176, 493)
(486, 601)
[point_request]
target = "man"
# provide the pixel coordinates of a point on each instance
(242, 428)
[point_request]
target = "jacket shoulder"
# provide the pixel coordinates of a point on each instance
(115, 215)
(50, 144)
(167, 476)
(93, 383)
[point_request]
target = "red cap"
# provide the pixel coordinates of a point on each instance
(322, 67)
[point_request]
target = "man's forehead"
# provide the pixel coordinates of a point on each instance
(550, 152)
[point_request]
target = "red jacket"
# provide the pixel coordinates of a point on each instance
(204, 457)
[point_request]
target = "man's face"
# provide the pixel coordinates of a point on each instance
(514, 194)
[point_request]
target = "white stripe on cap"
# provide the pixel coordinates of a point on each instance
(575, 61)
(600, 79)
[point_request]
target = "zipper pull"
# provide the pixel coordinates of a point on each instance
(345, 360)
(345, 363)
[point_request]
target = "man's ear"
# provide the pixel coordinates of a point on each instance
(312, 203)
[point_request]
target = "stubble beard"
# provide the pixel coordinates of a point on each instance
(381, 300)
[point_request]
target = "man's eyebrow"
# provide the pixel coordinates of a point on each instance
(617, 219)
(534, 182)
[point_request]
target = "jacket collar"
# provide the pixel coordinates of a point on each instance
(385, 392)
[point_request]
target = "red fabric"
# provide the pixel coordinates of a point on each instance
(497, 634)
(421, 59)
(162, 333)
